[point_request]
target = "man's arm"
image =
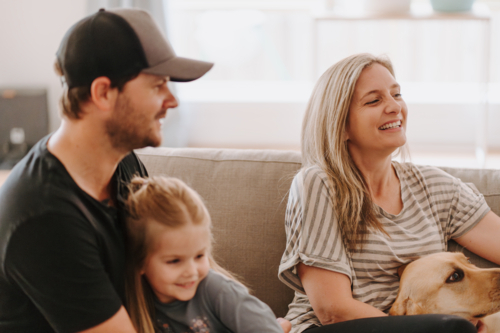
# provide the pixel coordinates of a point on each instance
(119, 323)
(56, 261)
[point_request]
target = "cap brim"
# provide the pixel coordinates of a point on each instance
(180, 69)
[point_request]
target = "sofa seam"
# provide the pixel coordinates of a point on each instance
(231, 160)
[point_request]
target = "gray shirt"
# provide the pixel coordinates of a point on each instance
(220, 305)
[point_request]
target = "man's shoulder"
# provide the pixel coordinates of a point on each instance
(34, 180)
(131, 166)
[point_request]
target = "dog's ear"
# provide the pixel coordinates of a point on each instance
(401, 270)
(399, 307)
(406, 307)
(413, 308)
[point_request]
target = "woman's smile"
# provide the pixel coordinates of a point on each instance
(391, 125)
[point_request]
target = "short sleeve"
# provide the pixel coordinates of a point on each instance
(467, 208)
(312, 233)
(241, 312)
(55, 261)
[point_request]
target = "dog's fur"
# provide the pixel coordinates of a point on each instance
(447, 283)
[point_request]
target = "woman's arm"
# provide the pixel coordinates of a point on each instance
(484, 238)
(331, 296)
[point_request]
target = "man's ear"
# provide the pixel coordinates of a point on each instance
(102, 94)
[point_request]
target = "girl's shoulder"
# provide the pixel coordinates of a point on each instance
(215, 282)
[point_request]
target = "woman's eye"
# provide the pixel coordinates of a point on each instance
(398, 95)
(372, 102)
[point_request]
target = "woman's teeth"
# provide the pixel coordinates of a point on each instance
(391, 125)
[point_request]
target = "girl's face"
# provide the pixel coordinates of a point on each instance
(178, 262)
(377, 114)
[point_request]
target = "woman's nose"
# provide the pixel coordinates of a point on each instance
(393, 106)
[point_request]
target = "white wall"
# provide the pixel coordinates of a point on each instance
(32, 29)
(30, 34)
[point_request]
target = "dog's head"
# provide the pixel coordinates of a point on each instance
(447, 283)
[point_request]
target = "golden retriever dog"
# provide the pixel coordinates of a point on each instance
(447, 283)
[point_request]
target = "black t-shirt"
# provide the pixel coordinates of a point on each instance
(62, 253)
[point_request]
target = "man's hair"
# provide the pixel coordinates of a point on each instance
(72, 98)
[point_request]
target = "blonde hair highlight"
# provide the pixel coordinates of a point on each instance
(324, 145)
(164, 201)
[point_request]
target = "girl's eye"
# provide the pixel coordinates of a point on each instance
(199, 256)
(175, 261)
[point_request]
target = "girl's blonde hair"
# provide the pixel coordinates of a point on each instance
(324, 145)
(165, 201)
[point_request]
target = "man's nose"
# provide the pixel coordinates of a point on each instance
(170, 102)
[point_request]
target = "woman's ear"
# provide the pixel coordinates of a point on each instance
(102, 94)
(346, 134)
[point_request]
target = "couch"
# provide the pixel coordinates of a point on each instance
(246, 193)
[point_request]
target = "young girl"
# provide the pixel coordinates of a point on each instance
(173, 283)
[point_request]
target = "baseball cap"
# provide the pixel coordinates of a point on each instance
(118, 43)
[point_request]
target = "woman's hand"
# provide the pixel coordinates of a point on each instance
(331, 297)
(285, 324)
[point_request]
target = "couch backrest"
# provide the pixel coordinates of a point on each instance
(246, 192)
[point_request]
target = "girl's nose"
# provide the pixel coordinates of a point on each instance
(191, 269)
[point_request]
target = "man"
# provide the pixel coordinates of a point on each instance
(62, 251)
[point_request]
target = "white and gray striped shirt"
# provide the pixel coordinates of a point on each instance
(436, 208)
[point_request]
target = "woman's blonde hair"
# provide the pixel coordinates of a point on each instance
(164, 201)
(324, 145)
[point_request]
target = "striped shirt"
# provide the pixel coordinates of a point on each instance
(436, 207)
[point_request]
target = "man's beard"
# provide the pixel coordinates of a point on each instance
(128, 128)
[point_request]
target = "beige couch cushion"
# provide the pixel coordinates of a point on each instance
(246, 193)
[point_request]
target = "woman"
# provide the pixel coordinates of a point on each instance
(354, 216)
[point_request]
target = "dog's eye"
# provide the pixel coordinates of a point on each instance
(455, 277)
